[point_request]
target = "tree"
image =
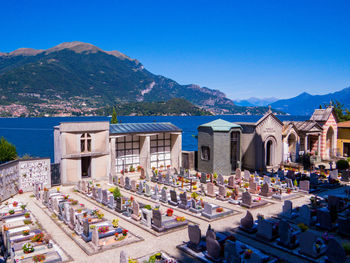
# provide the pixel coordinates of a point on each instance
(342, 113)
(114, 119)
(7, 151)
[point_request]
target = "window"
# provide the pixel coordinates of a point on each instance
(85, 143)
(127, 152)
(205, 153)
(160, 150)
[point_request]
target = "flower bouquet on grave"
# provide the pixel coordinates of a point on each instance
(20, 191)
(28, 248)
(115, 223)
(180, 218)
(219, 210)
(26, 215)
(289, 190)
(38, 237)
(39, 258)
(14, 204)
(23, 207)
(11, 212)
(326, 237)
(6, 228)
(125, 232)
(25, 232)
(27, 221)
(246, 185)
(248, 253)
(103, 229)
(74, 202)
(45, 189)
(257, 199)
(65, 197)
(169, 212)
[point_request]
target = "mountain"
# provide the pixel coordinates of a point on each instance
(305, 103)
(255, 101)
(80, 77)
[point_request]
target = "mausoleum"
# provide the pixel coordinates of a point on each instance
(98, 150)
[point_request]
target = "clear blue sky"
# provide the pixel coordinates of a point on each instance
(243, 48)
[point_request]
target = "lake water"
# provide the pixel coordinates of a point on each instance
(34, 136)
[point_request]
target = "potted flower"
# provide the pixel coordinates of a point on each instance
(26, 215)
(289, 190)
(303, 227)
(124, 232)
(169, 212)
(23, 207)
(28, 248)
(20, 191)
(11, 212)
(27, 221)
(219, 209)
(38, 238)
(115, 223)
(14, 204)
(39, 258)
(25, 232)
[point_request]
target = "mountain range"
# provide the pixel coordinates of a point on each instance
(251, 102)
(305, 103)
(77, 76)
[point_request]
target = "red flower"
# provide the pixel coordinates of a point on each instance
(20, 191)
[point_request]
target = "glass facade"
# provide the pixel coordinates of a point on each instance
(127, 152)
(160, 150)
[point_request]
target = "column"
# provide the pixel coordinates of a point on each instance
(306, 142)
(319, 145)
(176, 150)
(113, 156)
(145, 151)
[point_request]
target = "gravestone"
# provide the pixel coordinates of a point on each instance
(95, 237)
(173, 198)
(344, 226)
(304, 215)
(246, 199)
(266, 229)
(155, 193)
(122, 181)
(135, 210)
(213, 248)
(291, 175)
(140, 188)
(287, 209)
(133, 185)
(304, 186)
(164, 197)
(220, 179)
(324, 219)
(246, 175)
(247, 223)
(203, 179)
(111, 202)
(119, 205)
(267, 179)
(147, 176)
(286, 234)
(208, 210)
(147, 190)
(142, 174)
(289, 183)
(231, 182)
(265, 190)
(307, 244)
(86, 228)
(71, 223)
(335, 252)
(66, 212)
(85, 186)
(157, 219)
(105, 197)
(238, 175)
(183, 201)
(222, 193)
(253, 187)
(194, 234)
(146, 217)
(127, 183)
(210, 189)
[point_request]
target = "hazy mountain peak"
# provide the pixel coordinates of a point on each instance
(76, 46)
(23, 52)
(118, 54)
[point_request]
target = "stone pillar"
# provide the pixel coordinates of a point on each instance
(319, 146)
(145, 151)
(113, 156)
(176, 150)
(306, 142)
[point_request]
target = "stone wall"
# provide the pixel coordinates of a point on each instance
(22, 174)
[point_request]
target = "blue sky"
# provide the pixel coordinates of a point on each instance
(243, 48)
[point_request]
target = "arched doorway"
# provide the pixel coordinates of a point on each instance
(292, 143)
(235, 150)
(270, 144)
(330, 142)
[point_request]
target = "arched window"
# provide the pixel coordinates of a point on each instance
(85, 143)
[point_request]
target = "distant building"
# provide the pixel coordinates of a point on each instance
(317, 136)
(98, 150)
(343, 141)
(224, 146)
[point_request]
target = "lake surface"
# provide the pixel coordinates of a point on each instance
(34, 136)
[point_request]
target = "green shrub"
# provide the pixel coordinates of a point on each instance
(346, 247)
(116, 193)
(342, 165)
(148, 207)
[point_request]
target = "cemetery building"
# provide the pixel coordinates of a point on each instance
(224, 146)
(98, 150)
(343, 140)
(316, 136)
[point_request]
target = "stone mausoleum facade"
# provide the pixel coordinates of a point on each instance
(99, 150)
